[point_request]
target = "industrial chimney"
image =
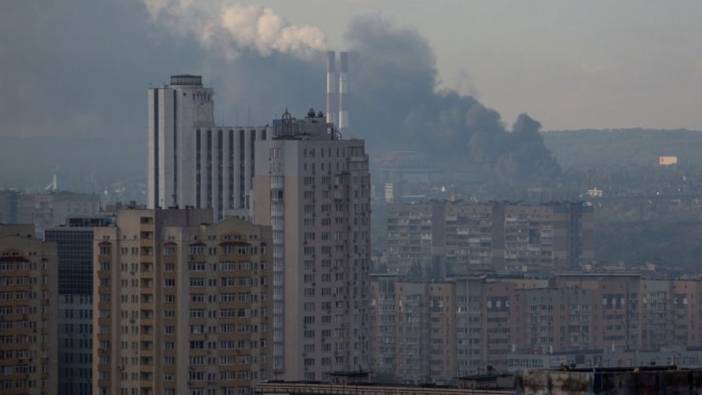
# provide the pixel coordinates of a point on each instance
(331, 99)
(343, 91)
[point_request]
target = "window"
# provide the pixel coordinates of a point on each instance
(197, 282)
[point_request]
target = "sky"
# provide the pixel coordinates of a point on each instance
(569, 64)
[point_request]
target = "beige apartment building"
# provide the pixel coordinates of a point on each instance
(28, 308)
(181, 305)
(465, 325)
(313, 188)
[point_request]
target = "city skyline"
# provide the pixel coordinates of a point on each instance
(262, 197)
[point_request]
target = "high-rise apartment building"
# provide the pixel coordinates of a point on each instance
(74, 245)
(28, 308)
(413, 330)
(465, 324)
(192, 162)
(182, 306)
(313, 189)
(444, 237)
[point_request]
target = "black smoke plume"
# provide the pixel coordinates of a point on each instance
(396, 105)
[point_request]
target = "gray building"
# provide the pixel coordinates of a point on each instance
(436, 238)
(74, 245)
(8, 206)
(45, 209)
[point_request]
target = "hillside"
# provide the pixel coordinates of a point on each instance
(623, 147)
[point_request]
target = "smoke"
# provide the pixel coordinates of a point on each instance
(397, 104)
(85, 96)
(231, 28)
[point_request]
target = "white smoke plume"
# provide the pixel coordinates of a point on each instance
(231, 27)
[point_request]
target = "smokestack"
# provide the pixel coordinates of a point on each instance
(331, 99)
(343, 91)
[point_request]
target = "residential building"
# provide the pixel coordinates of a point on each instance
(313, 188)
(192, 162)
(74, 245)
(509, 322)
(182, 306)
(413, 331)
(435, 238)
(28, 308)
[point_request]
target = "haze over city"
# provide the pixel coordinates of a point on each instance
(292, 197)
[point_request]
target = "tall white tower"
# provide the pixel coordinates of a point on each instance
(175, 111)
(191, 161)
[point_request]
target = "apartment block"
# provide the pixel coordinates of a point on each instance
(28, 308)
(436, 238)
(74, 246)
(413, 330)
(313, 188)
(192, 162)
(469, 321)
(182, 306)
(512, 322)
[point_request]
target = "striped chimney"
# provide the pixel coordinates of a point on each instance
(331, 99)
(343, 91)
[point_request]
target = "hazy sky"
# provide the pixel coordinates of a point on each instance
(569, 63)
(78, 65)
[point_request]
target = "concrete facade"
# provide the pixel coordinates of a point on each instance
(182, 306)
(313, 189)
(192, 162)
(28, 309)
(413, 330)
(436, 238)
(74, 245)
(500, 323)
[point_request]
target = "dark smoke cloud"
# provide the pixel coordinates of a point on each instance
(75, 74)
(396, 105)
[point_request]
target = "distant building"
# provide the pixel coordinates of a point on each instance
(595, 192)
(47, 209)
(388, 192)
(442, 237)
(8, 206)
(74, 244)
(513, 322)
(313, 189)
(182, 306)
(413, 330)
(28, 308)
(323, 388)
(667, 160)
(192, 162)
(625, 381)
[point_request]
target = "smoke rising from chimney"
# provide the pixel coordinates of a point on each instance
(232, 27)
